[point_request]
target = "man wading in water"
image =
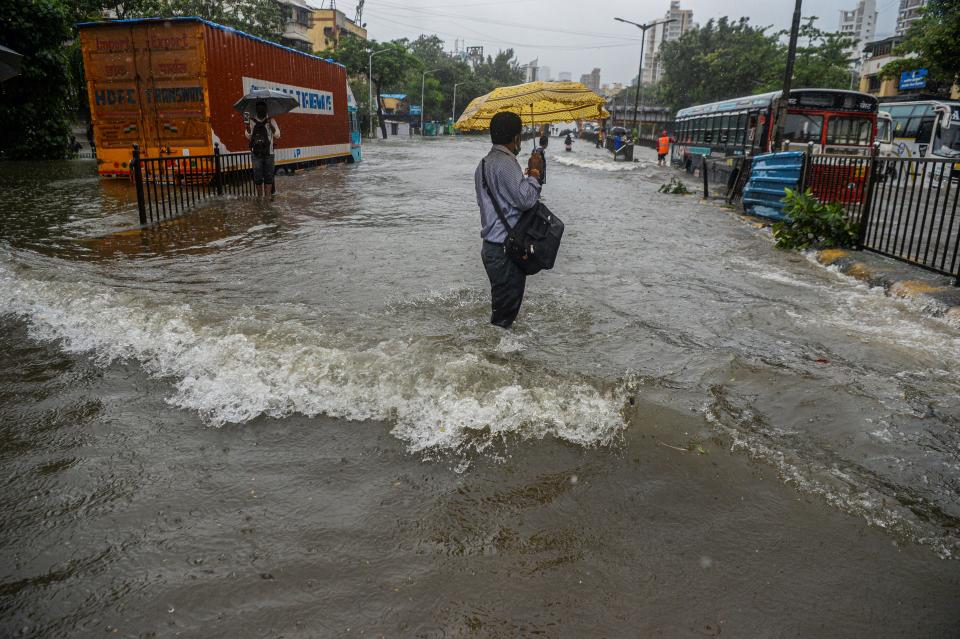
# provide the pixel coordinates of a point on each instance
(515, 194)
(261, 130)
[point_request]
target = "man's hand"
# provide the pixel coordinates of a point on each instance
(535, 162)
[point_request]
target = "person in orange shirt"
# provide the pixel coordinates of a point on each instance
(663, 148)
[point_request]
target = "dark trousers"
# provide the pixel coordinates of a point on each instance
(507, 282)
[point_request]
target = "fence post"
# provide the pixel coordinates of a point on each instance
(703, 170)
(138, 180)
(867, 203)
(807, 168)
(217, 169)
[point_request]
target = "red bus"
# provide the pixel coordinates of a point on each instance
(833, 121)
(837, 122)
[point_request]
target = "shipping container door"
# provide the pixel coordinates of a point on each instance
(170, 59)
(114, 92)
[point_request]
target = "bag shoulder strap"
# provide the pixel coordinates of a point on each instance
(483, 178)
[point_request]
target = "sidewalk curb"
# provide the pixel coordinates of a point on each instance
(943, 299)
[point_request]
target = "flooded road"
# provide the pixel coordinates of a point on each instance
(292, 418)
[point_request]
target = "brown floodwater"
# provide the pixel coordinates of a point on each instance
(292, 419)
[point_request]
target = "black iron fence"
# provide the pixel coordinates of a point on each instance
(169, 186)
(906, 207)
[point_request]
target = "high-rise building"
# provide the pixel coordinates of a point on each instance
(859, 23)
(591, 80)
(909, 11)
(681, 22)
(544, 74)
(564, 76)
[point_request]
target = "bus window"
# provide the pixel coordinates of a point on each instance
(885, 130)
(801, 127)
(724, 129)
(741, 129)
(698, 133)
(947, 142)
(924, 130)
(849, 130)
(707, 130)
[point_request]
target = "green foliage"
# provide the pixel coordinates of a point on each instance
(813, 225)
(674, 186)
(399, 71)
(933, 40)
(37, 104)
(727, 59)
(262, 18)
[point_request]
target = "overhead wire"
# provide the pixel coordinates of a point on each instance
(538, 28)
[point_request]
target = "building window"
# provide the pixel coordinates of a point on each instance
(873, 83)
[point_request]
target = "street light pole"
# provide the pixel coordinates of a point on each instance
(787, 77)
(643, 41)
(453, 114)
(423, 80)
(370, 88)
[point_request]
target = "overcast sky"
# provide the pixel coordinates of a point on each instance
(574, 36)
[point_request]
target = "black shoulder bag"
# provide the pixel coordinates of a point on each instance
(535, 240)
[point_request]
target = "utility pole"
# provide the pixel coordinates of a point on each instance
(643, 39)
(423, 80)
(453, 113)
(370, 88)
(787, 77)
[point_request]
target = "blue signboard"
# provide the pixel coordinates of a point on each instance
(916, 79)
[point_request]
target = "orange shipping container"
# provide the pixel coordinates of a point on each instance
(169, 85)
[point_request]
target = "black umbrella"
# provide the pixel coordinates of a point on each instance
(618, 129)
(9, 63)
(277, 103)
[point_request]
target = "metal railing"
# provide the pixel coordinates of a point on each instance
(169, 186)
(907, 208)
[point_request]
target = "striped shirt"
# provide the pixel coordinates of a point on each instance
(514, 192)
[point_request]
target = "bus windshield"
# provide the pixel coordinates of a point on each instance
(885, 130)
(849, 130)
(802, 127)
(947, 142)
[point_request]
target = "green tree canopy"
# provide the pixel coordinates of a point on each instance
(726, 59)
(933, 43)
(38, 102)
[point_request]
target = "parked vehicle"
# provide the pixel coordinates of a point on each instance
(925, 128)
(168, 85)
(836, 122)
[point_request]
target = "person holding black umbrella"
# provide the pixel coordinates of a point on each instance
(262, 130)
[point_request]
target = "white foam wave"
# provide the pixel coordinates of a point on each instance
(596, 163)
(232, 371)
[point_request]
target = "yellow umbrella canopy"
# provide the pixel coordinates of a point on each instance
(535, 103)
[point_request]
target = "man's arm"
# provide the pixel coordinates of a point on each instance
(521, 192)
(246, 129)
(276, 128)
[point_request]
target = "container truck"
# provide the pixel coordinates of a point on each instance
(169, 85)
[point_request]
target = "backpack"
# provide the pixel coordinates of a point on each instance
(260, 139)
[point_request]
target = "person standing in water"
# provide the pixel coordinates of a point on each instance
(663, 148)
(262, 130)
(541, 150)
(499, 175)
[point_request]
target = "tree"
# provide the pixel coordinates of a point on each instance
(823, 62)
(38, 102)
(726, 59)
(932, 43)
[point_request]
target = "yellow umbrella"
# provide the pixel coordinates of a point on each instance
(535, 103)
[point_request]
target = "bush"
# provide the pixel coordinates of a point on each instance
(674, 186)
(812, 224)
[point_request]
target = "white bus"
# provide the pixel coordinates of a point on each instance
(925, 129)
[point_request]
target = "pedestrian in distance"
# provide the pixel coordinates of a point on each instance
(515, 193)
(663, 148)
(568, 143)
(541, 150)
(262, 130)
